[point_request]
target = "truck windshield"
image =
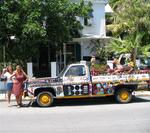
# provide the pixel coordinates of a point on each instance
(62, 72)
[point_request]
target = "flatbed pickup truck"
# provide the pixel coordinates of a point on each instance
(76, 81)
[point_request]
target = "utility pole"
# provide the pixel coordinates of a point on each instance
(64, 52)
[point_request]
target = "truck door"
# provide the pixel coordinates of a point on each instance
(76, 81)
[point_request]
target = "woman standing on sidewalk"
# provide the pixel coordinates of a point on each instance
(9, 83)
(18, 84)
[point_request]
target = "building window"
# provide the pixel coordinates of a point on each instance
(88, 21)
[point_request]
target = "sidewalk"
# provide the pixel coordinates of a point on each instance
(3, 96)
(141, 93)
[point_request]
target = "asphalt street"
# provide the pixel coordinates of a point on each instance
(78, 116)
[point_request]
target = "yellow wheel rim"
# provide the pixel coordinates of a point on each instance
(124, 95)
(45, 99)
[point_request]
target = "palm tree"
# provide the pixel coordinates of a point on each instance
(131, 44)
(130, 28)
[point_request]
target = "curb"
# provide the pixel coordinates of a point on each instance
(141, 93)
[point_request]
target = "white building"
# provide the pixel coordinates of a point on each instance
(94, 28)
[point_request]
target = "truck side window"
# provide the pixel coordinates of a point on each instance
(76, 71)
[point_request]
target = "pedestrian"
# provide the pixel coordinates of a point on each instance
(18, 84)
(7, 73)
(93, 60)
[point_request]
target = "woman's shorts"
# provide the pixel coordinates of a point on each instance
(9, 86)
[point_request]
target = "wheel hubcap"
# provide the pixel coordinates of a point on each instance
(124, 95)
(45, 99)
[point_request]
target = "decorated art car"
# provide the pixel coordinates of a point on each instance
(76, 81)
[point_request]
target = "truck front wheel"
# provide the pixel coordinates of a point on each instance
(123, 96)
(45, 99)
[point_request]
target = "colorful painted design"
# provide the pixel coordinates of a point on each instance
(45, 82)
(102, 88)
(126, 78)
(76, 80)
(97, 89)
(59, 91)
(76, 90)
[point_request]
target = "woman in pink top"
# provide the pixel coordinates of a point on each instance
(18, 81)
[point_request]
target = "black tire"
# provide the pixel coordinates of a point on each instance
(45, 99)
(123, 96)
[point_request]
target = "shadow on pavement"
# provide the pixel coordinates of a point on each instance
(89, 101)
(140, 99)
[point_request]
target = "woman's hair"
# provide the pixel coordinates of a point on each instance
(9, 66)
(18, 66)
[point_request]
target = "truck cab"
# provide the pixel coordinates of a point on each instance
(73, 82)
(76, 81)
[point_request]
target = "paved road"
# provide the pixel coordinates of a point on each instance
(78, 116)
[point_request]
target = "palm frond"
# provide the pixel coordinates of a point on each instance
(145, 50)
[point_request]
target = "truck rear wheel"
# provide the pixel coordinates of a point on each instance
(45, 99)
(123, 96)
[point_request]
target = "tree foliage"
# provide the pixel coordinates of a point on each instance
(130, 26)
(35, 21)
